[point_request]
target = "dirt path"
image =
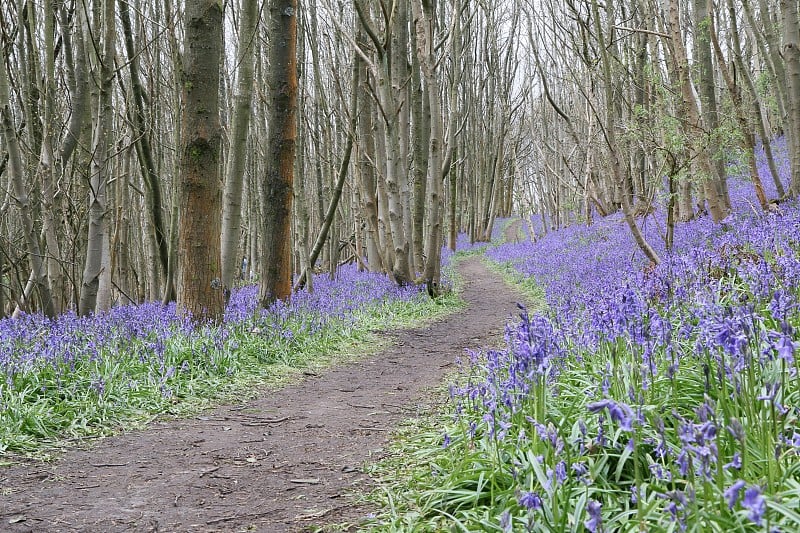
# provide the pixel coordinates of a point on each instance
(281, 462)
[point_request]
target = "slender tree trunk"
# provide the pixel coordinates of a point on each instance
(330, 213)
(689, 110)
(748, 138)
(420, 110)
(791, 54)
(199, 284)
(144, 151)
(276, 193)
(760, 119)
(96, 286)
(8, 133)
(47, 159)
(237, 153)
(708, 94)
(424, 20)
(611, 135)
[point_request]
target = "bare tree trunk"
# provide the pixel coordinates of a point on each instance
(330, 213)
(199, 284)
(367, 177)
(276, 193)
(760, 120)
(611, 134)
(9, 135)
(96, 286)
(420, 110)
(791, 54)
(47, 160)
(708, 94)
(424, 21)
(692, 116)
(237, 153)
(144, 151)
(748, 138)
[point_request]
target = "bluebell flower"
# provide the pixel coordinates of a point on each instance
(530, 501)
(732, 493)
(561, 472)
(736, 462)
(594, 522)
(755, 502)
(505, 521)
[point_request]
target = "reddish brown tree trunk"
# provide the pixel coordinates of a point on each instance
(276, 188)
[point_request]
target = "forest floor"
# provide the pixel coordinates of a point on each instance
(287, 460)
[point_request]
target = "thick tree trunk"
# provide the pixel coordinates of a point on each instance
(199, 285)
(276, 193)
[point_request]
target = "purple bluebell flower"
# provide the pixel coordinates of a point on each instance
(619, 412)
(561, 472)
(736, 462)
(755, 502)
(732, 493)
(530, 501)
(594, 522)
(505, 521)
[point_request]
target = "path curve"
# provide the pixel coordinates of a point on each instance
(281, 462)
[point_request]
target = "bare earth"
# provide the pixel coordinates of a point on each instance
(283, 462)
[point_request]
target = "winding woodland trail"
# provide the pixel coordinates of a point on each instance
(282, 462)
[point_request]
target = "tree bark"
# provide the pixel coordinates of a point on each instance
(276, 193)
(199, 285)
(237, 152)
(8, 133)
(791, 54)
(96, 285)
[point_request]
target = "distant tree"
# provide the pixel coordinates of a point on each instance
(200, 193)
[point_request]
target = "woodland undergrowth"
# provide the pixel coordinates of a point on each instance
(635, 398)
(71, 378)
